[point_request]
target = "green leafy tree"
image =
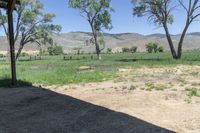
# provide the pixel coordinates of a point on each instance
(160, 12)
(149, 48)
(32, 24)
(97, 13)
(154, 47)
(50, 50)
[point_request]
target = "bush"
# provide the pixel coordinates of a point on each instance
(58, 50)
(1, 55)
(24, 54)
(109, 50)
(133, 49)
(160, 49)
(192, 92)
(55, 50)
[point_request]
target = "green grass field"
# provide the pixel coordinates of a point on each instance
(53, 70)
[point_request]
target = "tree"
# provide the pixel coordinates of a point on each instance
(160, 13)
(154, 47)
(133, 49)
(125, 50)
(55, 50)
(149, 47)
(32, 25)
(97, 13)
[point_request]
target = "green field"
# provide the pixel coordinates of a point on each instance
(54, 70)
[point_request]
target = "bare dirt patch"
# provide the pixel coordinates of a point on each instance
(168, 106)
(142, 100)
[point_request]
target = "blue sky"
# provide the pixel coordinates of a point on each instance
(123, 20)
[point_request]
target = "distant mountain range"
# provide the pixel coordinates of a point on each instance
(71, 40)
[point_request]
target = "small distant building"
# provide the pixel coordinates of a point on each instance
(31, 52)
(3, 53)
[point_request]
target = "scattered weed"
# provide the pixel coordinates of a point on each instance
(151, 86)
(192, 92)
(132, 87)
(124, 87)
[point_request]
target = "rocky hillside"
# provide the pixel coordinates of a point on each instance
(115, 41)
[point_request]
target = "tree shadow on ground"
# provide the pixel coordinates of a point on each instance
(37, 110)
(193, 60)
(7, 83)
(136, 60)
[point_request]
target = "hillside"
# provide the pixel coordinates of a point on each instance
(115, 41)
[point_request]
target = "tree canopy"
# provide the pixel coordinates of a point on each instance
(160, 12)
(32, 24)
(97, 13)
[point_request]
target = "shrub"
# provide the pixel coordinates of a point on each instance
(1, 55)
(160, 49)
(24, 54)
(109, 50)
(55, 50)
(158, 87)
(132, 87)
(192, 92)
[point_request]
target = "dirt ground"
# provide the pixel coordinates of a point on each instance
(142, 100)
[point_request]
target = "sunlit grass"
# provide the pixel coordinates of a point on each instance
(54, 70)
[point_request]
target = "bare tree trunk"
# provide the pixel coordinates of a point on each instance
(19, 51)
(8, 51)
(94, 34)
(180, 45)
(98, 51)
(171, 45)
(99, 56)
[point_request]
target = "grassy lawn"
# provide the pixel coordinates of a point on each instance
(54, 70)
